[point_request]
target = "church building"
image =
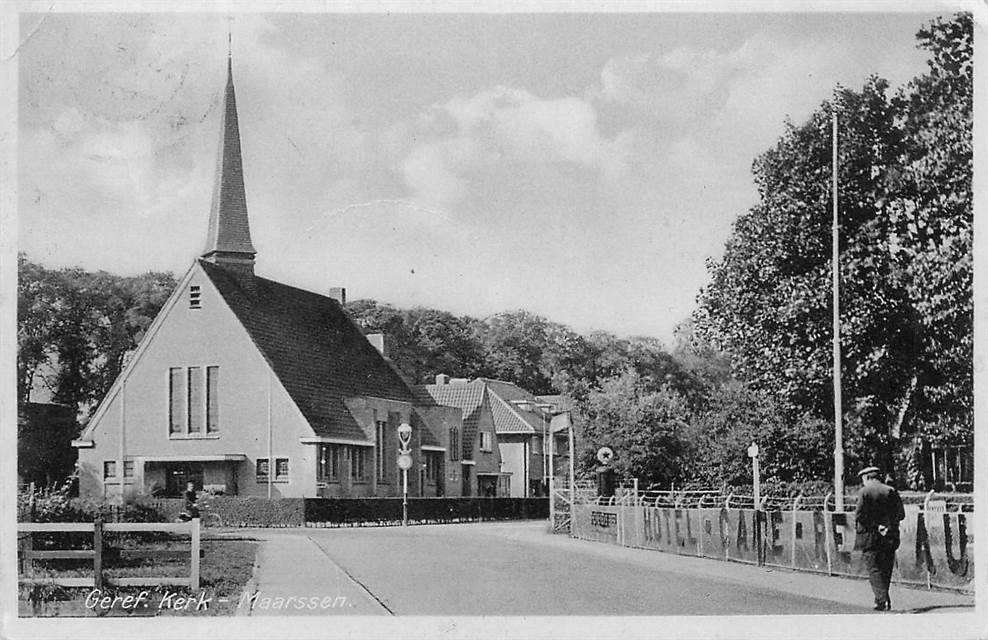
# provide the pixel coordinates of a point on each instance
(250, 387)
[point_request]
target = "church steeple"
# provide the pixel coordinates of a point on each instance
(228, 241)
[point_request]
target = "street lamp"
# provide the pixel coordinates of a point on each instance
(753, 454)
(404, 463)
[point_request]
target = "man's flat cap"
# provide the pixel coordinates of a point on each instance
(868, 470)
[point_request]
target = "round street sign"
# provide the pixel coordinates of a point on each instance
(605, 454)
(753, 450)
(404, 462)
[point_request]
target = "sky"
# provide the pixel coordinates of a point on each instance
(583, 167)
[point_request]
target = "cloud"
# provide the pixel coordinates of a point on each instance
(741, 95)
(676, 87)
(506, 127)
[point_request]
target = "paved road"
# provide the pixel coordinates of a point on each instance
(516, 569)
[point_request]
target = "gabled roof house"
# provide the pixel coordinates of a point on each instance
(247, 386)
(505, 433)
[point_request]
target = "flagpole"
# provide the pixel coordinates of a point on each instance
(838, 413)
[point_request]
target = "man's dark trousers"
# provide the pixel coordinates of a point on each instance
(879, 561)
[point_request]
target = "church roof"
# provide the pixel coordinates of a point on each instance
(316, 351)
(229, 230)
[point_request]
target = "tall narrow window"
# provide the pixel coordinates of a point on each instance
(329, 463)
(454, 443)
(196, 407)
(212, 399)
(176, 402)
(486, 441)
(263, 467)
(381, 444)
(195, 297)
(433, 464)
(358, 464)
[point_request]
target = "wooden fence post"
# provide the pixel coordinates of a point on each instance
(27, 564)
(98, 552)
(194, 573)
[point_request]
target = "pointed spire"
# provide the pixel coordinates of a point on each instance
(228, 241)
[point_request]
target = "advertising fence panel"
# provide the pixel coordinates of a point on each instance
(937, 547)
(596, 522)
(807, 542)
(714, 533)
(944, 544)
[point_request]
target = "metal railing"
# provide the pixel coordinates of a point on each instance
(714, 498)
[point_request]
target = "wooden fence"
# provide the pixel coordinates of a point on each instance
(29, 555)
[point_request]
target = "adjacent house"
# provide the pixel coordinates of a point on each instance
(505, 435)
(247, 386)
(44, 435)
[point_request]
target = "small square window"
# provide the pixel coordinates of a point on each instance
(195, 297)
(281, 469)
(486, 441)
(110, 469)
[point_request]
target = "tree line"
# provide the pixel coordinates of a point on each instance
(753, 363)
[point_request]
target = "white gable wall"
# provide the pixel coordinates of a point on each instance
(208, 336)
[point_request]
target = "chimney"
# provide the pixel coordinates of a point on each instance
(377, 339)
(338, 294)
(442, 378)
(459, 380)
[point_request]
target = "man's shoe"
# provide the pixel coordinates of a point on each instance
(885, 606)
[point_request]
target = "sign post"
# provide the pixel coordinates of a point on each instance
(404, 463)
(753, 454)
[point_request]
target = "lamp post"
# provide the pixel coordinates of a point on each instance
(404, 463)
(835, 276)
(753, 454)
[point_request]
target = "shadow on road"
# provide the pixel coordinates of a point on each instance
(938, 608)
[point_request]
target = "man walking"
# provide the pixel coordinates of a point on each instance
(877, 516)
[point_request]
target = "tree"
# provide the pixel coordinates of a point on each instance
(906, 345)
(768, 304)
(735, 417)
(514, 344)
(79, 328)
(37, 302)
(422, 342)
(645, 428)
(933, 217)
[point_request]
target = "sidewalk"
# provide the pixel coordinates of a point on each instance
(851, 591)
(293, 576)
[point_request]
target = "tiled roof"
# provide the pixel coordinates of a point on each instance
(468, 397)
(558, 401)
(500, 396)
(515, 418)
(317, 352)
(229, 230)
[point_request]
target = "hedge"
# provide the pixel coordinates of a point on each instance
(385, 511)
(234, 511)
